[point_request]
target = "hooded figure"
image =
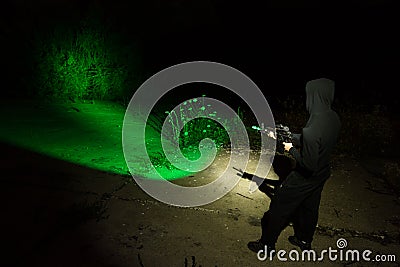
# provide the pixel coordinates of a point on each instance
(320, 134)
(297, 199)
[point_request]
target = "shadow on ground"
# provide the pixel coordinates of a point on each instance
(57, 213)
(46, 204)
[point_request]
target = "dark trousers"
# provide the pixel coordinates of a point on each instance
(296, 201)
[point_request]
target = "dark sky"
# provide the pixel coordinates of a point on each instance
(286, 46)
(278, 44)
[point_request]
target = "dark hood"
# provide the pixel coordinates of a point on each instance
(319, 94)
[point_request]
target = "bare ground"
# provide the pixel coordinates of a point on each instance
(59, 213)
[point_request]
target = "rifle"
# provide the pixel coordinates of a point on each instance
(282, 134)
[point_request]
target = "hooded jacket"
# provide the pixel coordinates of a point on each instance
(319, 136)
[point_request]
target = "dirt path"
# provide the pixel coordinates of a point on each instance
(76, 207)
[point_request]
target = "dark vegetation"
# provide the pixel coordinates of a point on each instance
(103, 50)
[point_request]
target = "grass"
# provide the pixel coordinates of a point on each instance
(83, 61)
(189, 124)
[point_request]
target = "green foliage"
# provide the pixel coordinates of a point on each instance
(198, 129)
(83, 61)
(189, 136)
(206, 124)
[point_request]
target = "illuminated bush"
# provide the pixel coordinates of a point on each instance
(193, 131)
(198, 129)
(189, 137)
(85, 61)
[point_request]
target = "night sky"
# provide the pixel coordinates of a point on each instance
(279, 44)
(282, 48)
